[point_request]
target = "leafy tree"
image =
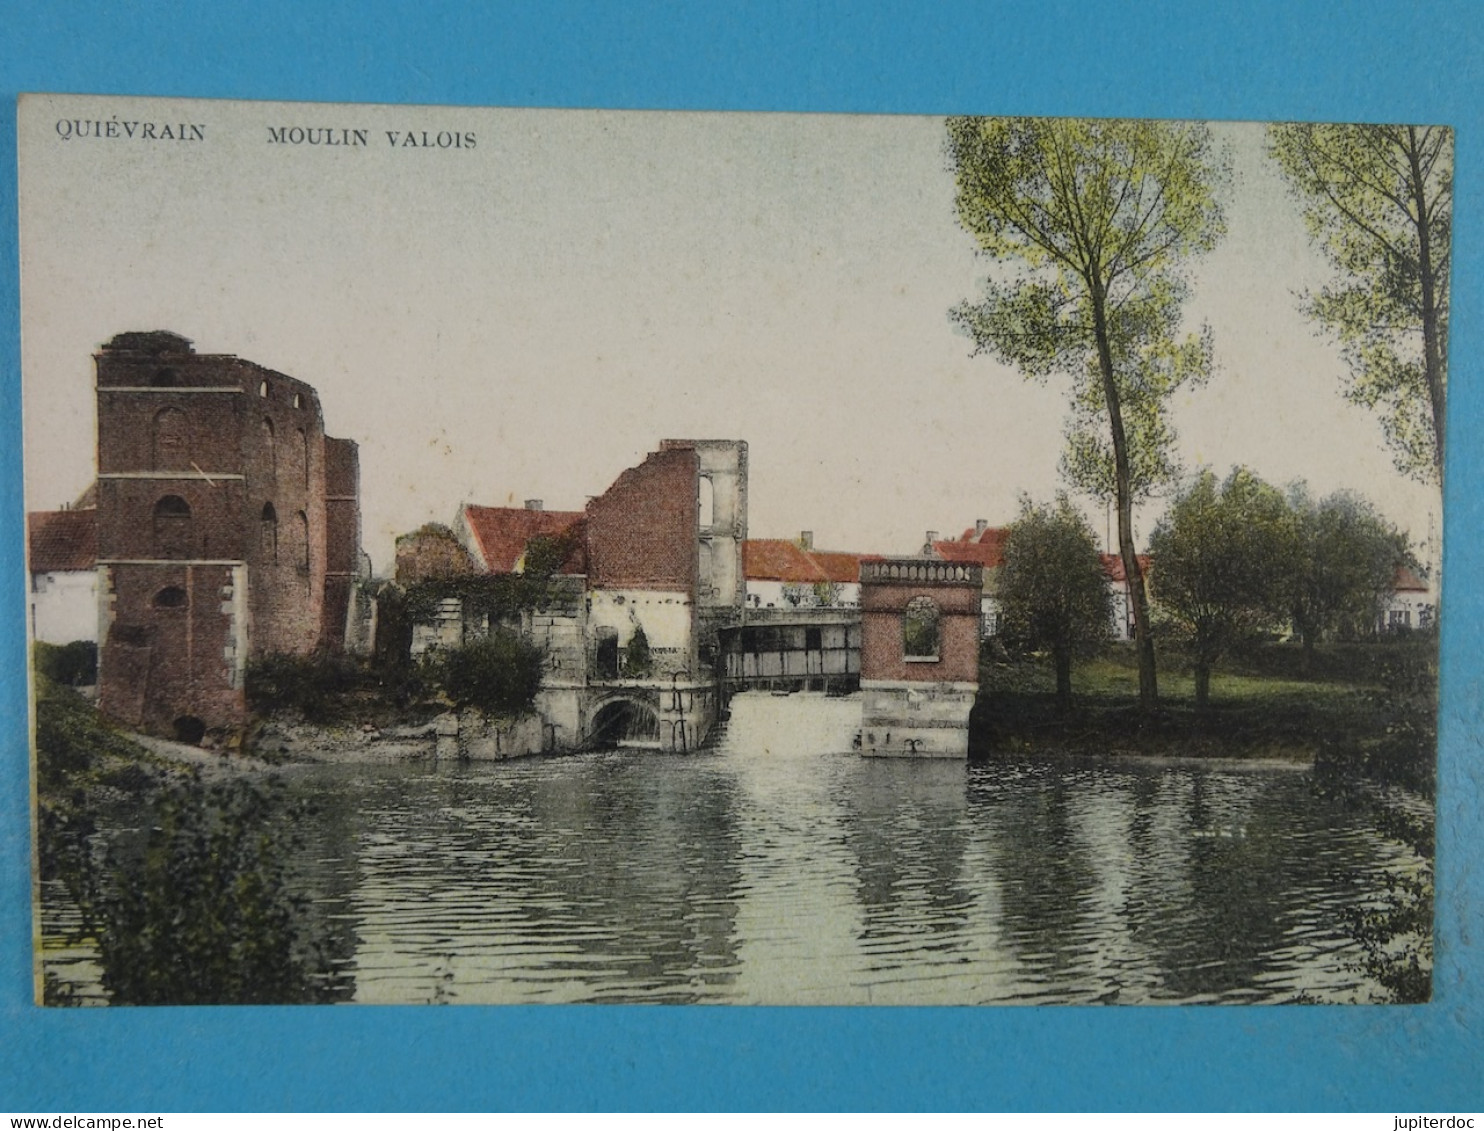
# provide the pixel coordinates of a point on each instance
(1095, 222)
(1378, 200)
(1052, 590)
(1347, 557)
(1223, 558)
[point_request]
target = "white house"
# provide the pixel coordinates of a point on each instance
(63, 565)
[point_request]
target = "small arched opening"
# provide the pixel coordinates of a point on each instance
(190, 730)
(303, 547)
(171, 597)
(624, 722)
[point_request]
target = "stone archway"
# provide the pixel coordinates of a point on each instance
(624, 722)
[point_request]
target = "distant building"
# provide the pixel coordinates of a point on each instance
(984, 545)
(228, 526)
(1411, 603)
(791, 573)
(497, 537)
(62, 551)
(650, 575)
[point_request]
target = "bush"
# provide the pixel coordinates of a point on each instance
(73, 665)
(312, 685)
(206, 911)
(499, 674)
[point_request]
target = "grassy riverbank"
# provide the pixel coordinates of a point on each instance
(1263, 704)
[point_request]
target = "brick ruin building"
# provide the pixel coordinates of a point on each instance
(228, 527)
(656, 557)
(919, 656)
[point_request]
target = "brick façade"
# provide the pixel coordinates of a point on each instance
(228, 527)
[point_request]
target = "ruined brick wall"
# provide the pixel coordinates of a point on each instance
(883, 608)
(342, 536)
(284, 465)
(431, 552)
(642, 533)
(208, 463)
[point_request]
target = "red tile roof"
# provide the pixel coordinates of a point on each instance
(1406, 581)
(839, 566)
(63, 541)
(991, 555)
(778, 559)
(500, 535)
(986, 548)
(781, 559)
(1113, 566)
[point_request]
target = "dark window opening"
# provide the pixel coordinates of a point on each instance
(268, 534)
(605, 661)
(190, 730)
(920, 629)
(171, 597)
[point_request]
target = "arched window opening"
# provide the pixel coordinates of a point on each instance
(706, 502)
(169, 440)
(172, 527)
(171, 597)
(304, 542)
(268, 539)
(920, 629)
(164, 379)
(707, 581)
(304, 455)
(298, 400)
(263, 389)
(270, 446)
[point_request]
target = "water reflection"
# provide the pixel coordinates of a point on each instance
(778, 867)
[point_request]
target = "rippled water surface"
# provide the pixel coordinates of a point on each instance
(778, 868)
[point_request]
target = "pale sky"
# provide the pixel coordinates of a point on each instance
(527, 318)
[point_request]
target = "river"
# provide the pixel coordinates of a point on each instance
(776, 867)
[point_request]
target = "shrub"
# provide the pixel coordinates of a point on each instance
(499, 674)
(73, 665)
(312, 685)
(206, 910)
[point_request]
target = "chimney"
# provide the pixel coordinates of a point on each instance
(932, 536)
(806, 539)
(980, 526)
(534, 505)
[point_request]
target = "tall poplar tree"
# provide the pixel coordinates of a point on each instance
(1378, 201)
(1092, 225)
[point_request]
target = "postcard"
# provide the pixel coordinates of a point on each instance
(543, 556)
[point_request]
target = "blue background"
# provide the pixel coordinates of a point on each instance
(1415, 62)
